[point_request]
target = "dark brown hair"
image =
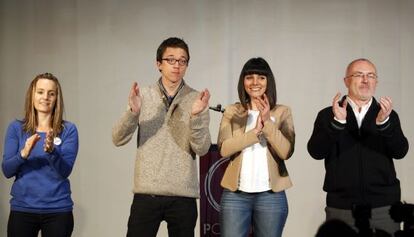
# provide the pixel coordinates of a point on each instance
(261, 67)
(172, 42)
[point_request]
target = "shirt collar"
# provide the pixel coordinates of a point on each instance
(164, 91)
(167, 98)
(355, 107)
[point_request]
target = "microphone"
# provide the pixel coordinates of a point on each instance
(218, 108)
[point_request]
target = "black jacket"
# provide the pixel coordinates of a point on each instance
(359, 161)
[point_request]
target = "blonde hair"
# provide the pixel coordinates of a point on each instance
(30, 121)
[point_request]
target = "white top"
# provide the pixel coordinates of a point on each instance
(254, 174)
(359, 112)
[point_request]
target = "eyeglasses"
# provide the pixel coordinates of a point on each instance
(172, 61)
(360, 75)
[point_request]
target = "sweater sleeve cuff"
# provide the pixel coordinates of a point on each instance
(268, 127)
(129, 110)
(252, 137)
(20, 159)
(130, 117)
(198, 121)
(337, 125)
(384, 126)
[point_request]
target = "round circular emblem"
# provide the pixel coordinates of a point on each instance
(207, 183)
(57, 141)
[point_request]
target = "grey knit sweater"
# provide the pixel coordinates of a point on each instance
(168, 142)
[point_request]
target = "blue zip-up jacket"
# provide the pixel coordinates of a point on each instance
(41, 182)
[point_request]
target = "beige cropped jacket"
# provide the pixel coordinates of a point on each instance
(280, 137)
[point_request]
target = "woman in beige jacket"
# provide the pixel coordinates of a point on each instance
(258, 136)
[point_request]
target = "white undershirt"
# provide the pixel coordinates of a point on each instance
(254, 174)
(359, 112)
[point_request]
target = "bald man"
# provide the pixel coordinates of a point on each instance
(358, 137)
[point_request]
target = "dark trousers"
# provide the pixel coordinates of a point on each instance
(23, 224)
(380, 218)
(147, 212)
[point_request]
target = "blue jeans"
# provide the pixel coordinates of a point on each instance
(265, 211)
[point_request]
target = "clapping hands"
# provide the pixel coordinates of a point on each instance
(32, 140)
(338, 109)
(201, 102)
(385, 111)
(134, 99)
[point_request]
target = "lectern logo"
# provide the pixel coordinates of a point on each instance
(208, 180)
